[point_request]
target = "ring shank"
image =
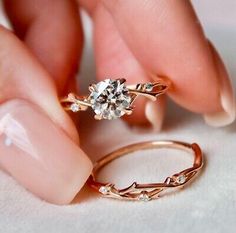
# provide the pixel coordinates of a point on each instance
(190, 148)
(150, 190)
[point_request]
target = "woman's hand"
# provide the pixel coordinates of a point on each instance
(136, 40)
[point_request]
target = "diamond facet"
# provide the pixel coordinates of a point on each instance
(110, 99)
(74, 107)
(144, 197)
(104, 189)
(181, 179)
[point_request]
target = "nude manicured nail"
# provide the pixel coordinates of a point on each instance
(155, 112)
(227, 98)
(39, 155)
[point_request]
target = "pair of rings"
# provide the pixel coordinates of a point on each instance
(111, 99)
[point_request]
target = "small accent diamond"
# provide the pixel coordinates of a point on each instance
(144, 197)
(149, 87)
(181, 179)
(104, 189)
(74, 107)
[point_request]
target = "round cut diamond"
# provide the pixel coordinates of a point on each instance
(104, 189)
(144, 197)
(149, 87)
(110, 99)
(74, 107)
(181, 179)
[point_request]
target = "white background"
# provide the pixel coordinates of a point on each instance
(207, 205)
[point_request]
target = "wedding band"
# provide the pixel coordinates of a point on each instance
(111, 99)
(146, 192)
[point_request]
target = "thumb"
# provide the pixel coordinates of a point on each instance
(37, 139)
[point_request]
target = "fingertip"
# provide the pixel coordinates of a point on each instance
(227, 114)
(40, 156)
(179, 51)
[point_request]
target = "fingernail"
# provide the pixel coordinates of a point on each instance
(155, 112)
(227, 98)
(39, 155)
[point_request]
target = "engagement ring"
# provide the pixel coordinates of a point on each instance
(111, 99)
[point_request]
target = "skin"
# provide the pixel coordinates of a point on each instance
(146, 39)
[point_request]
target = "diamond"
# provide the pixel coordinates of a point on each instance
(110, 98)
(144, 197)
(181, 179)
(149, 86)
(104, 189)
(74, 107)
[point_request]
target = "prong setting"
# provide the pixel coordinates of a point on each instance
(98, 117)
(92, 87)
(129, 111)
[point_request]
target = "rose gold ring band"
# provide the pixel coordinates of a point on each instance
(111, 99)
(146, 192)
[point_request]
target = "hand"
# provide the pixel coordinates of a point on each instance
(136, 41)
